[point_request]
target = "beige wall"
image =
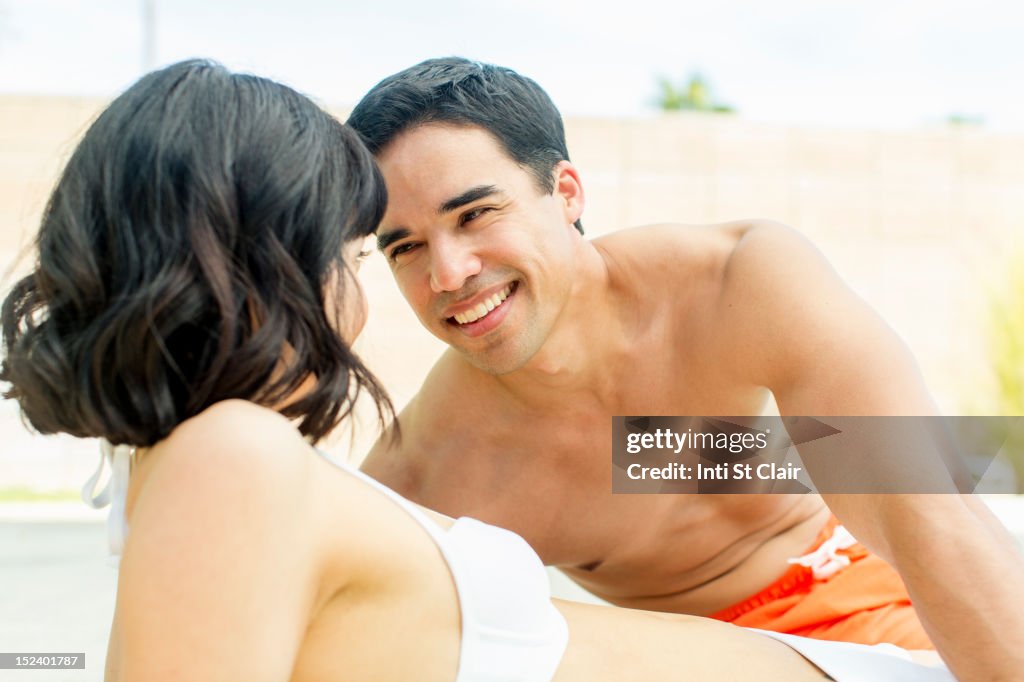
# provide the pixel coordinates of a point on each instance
(918, 222)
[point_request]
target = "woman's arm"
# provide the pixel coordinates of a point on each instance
(219, 574)
(612, 643)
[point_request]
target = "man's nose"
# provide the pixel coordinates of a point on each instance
(451, 264)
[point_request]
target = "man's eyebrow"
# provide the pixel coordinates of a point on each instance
(469, 196)
(386, 239)
(389, 237)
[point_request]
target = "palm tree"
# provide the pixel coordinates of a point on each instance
(693, 95)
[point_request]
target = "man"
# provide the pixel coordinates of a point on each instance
(551, 335)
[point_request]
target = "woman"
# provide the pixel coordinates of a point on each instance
(194, 303)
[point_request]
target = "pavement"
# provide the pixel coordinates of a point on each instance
(58, 592)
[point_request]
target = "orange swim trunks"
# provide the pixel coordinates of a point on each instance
(838, 591)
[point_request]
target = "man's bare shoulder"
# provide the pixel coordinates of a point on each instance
(735, 253)
(675, 239)
(782, 308)
(775, 280)
(772, 250)
(685, 255)
(687, 267)
(696, 239)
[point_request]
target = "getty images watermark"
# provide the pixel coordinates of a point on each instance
(817, 454)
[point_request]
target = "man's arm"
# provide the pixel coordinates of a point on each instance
(793, 327)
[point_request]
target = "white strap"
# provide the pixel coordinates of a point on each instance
(115, 493)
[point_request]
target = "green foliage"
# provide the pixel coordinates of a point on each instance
(1006, 349)
(965, 120)
(693, 95)
(22, 494)
(1006, 342)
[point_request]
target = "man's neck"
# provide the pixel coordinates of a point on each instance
(579, 359)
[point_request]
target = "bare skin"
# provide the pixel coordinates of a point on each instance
(512, 425)
(277, 565)
(533, 480)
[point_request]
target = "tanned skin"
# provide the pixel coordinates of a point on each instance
(513, 423)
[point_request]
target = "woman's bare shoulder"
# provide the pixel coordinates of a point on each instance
(230, 453)
(222, 538)
(231, 426)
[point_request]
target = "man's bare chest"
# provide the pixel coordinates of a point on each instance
(548, 476)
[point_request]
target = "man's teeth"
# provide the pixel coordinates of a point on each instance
(483, 308)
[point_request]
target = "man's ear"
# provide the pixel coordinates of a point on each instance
(569, 190)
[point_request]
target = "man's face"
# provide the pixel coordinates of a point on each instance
(480, 252)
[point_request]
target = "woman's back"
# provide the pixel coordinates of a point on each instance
(242, 539)
(275, 550)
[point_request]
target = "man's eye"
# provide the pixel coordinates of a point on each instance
(402, 248)
(474, 214)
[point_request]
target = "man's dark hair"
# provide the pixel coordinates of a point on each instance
(454, 90)
(186, 246)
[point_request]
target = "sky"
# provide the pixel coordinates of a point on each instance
(864, 64)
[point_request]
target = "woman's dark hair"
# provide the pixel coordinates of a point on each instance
(184, 253)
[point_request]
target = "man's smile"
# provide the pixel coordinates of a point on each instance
(484, 314)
